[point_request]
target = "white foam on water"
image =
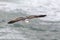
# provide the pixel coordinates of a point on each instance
(6, 6)
(51, 8)
(8, 33)
(47, 7)
(33, 7)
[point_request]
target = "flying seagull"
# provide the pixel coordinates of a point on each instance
(24, 18)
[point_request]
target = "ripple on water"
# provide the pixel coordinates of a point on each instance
(37, 29)
(54, 39)
(18, 25)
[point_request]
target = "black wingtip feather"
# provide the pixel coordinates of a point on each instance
(42, 15)
(10, 22)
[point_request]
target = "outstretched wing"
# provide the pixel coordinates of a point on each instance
(34, 16)
(23, 18)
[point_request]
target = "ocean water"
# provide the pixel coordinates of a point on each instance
(47, 28)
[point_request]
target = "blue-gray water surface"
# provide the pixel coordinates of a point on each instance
(36, 29)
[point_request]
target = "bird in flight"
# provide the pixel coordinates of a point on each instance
(24, 18)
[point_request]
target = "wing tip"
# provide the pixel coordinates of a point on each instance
(42, 15)
(10, 22)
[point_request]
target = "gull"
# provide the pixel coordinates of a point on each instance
(25, 18)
